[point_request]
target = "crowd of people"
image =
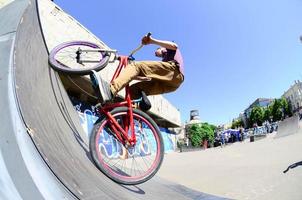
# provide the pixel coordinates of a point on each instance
(240, 134)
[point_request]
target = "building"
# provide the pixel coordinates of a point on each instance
(261, 102)
(294, 96)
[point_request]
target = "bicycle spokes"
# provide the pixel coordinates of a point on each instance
(129, 162)
(78, 57)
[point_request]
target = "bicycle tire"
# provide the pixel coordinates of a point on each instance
(124, 175)
(71, 67)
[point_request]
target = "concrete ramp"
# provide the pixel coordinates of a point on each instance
(43, 154)
(288, 126)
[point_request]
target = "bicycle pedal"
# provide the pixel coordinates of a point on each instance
(145, 104)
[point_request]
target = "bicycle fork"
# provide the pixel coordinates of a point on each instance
(121, 129)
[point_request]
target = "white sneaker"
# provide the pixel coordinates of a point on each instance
(101, 85)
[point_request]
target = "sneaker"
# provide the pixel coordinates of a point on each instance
(101, 87)
(95, 85)
(145, 104)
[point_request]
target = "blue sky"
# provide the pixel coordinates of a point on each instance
(234, 51)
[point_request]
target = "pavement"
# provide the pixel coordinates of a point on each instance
(243, 170)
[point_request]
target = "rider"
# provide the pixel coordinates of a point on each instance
(166, 75)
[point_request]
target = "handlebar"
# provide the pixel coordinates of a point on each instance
(138, 48)
(149, 34)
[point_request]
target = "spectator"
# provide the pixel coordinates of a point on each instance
(222, 139)
(241, 130)
(255, 128)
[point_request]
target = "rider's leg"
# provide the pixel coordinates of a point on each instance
(153, 87)
(125, 77)
(142, 89)
(162, 71)
(165, 80)
(108, 91)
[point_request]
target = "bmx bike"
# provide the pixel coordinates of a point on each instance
(125, 143)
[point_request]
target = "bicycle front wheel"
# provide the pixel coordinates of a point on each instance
(127, 165)
(78, 57)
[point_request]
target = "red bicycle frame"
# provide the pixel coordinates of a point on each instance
(120, 132)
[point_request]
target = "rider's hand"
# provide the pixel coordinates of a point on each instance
(146, 40)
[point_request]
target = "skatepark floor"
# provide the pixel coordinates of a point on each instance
(246, 170)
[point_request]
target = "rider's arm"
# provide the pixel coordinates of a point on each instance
(165, 44)
(162, 43)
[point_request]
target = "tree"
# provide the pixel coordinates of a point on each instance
(208, 132)
(237, 123)
(286, 107)
(213, 127)
(257, 115)
(281, 108)
(276, 110)
(195, 134)
(267, 113)
(201, 132)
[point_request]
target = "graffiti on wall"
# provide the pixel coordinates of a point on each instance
(145, 144)
(109, 145)
(169, 139)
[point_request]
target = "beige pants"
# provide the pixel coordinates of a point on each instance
(165, 77)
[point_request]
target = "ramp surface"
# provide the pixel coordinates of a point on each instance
(49, 123)
(288, 126)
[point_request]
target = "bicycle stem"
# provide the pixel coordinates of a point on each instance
(135, 50)
(140, 46)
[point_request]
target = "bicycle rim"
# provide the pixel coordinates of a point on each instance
(63, 58)
(132, 165)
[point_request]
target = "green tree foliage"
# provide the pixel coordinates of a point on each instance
(276, 110)
(195, 134)
(237, 123)
(213, 127)
(267, 113)
(208, 130)
(257, 115)
(286, 107)
(279, 109)
(290, 109)
(201, 132)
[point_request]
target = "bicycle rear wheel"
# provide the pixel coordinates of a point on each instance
(132, 165)
(65, 57)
